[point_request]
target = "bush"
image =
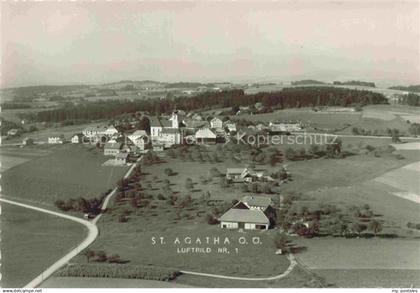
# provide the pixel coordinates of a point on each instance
(100, 256)
(122, 219)
(118, 271)
(212, 220)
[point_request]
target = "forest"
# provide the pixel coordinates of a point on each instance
(294, 97)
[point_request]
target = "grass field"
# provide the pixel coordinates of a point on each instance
(404, 179)
(67, 171)
(13, 156)
(324, 120)
(133, 242)
(31, 242)
(364, 262)
(72, 282)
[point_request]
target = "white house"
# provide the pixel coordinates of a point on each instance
(27, 141)
(121, 158)
(110, 131)
(112, 148)
(230, 126)
(205, 136)
(139, 139)
(12, 132)
(170, 137)
(216, 123)
(77, 138)
(55, 140)
(93, 131)
(285, 127)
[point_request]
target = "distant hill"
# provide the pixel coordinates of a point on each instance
(355, 82)
(184, 85)
(133, 84)
(409, 88)
(307, 82)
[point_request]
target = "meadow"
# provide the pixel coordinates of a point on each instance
(32, 241)
(67, 171)
(363, 262)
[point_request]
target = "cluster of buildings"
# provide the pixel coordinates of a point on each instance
(181, 128)
(246, 175)
(250, 213)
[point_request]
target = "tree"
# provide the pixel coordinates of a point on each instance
(334, 148)
(189, 184)
(395, 135)
(101, 256)
(88, 254)
(290, 153)
(375, 227)
(144, 124)
(168, 171)
(358, 228)
(281, 241)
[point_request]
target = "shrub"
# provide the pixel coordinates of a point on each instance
(122, 219)
(117, 271)
(100, 256)
(212, 220)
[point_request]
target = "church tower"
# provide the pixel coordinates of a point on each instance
(175, 122)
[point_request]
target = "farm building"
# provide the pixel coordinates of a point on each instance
(251, 213)
(121, 158)
(230, 126)
(244, 219)
(13, 132)
(237, 174)
(27, 141)
(139, 139)
(170, 136)
(55, 140)
(93, 131)
(112, 148)
(216, 123)
(205, 136)
(77, 138)
(256, 202)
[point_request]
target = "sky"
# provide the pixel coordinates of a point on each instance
(98, 42)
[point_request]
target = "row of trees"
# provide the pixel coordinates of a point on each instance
(410, 99)
(287, 98)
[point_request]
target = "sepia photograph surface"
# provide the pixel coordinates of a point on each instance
(210, 144)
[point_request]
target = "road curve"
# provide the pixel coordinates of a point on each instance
(291, 258)
(92, 234)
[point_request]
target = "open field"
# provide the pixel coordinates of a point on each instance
(324, 120)
(133, 242)
(68, 171)
(13, 156)
(406, 180)
(31, 242)
(364, 262)
(72, 282)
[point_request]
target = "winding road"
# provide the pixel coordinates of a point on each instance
(93, 233)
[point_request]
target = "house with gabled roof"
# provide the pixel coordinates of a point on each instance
(205, 136)
(250, 213)
(77, 138)
(216, 123)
